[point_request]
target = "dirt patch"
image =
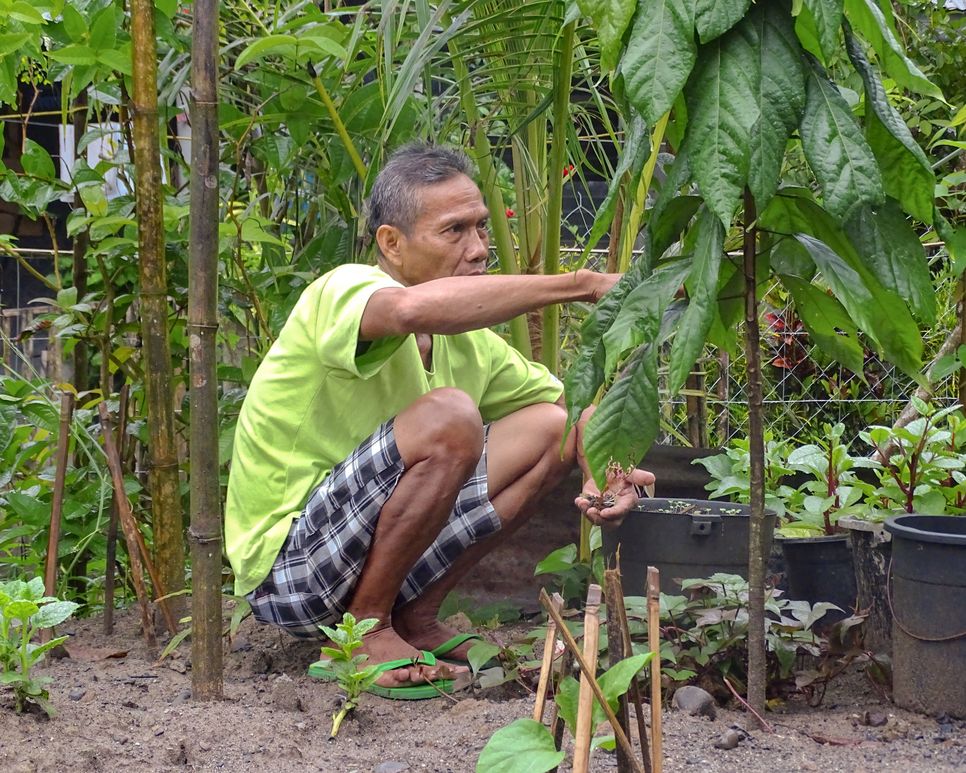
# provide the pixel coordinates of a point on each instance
(132, 712)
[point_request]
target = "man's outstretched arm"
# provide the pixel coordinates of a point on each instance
(460, 303)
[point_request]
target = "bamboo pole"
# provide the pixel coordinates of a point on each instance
(111, 553)
(635, 688)
(546, 665)
(164, 483)
(205, 530)
(615, 651)
(574, 649)
(654, 643)
(588, 671)
(128, 527)
(57, 502)
(81, 242)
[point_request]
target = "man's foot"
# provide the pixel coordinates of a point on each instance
(425, 632)
(384, 644)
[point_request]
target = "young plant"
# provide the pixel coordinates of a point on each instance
(354, 681)
(24, 611)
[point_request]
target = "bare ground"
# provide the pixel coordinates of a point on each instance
(131, 712)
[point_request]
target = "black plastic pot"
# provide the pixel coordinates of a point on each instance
(928, 593)
(684, 539)
(820, 569)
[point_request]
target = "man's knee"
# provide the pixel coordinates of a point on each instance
(445, 423)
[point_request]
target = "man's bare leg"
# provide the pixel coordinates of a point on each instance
(440, 439)
(523, 464)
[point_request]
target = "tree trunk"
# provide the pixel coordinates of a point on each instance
(205, 531)
(756, 445)
(165, 497)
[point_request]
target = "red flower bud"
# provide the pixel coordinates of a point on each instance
(510, 212)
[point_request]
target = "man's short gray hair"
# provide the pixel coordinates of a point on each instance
(395, 198)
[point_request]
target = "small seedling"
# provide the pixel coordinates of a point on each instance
(24, 611)
(354, 681)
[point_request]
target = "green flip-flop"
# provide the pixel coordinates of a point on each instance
(413, 692)
(451, 644)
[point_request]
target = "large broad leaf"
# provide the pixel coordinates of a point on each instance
(639, 319)
(664, 230)
(892, 250)
(525, 746)
(870, 22)
(722, 109)
(702, 285)
(827, 322)
(780, 96)
(660, 55)
(615, 682)
(880, 314)
(836, 150)
(715, 17)
(678, 176)
(827, 17)
(610, 18)
(626, 422)
(636, 149)
(906, 172)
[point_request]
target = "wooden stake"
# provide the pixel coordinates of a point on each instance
(57, 502)
(615, 651)
(574, 649)
(111, 556)
(654, 642)
(585, 698)
(546, 666)
(132, 536)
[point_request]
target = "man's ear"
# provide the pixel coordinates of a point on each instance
(388, 237)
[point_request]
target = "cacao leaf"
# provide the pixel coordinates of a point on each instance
(715, 17)
(611, 19)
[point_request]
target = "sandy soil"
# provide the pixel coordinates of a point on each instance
(132, 713)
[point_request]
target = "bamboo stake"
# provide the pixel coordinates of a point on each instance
(546, 666)
(654, 642)
(585, 698)
(57, 503)
(556, 721)
(111, 558)
(635, 687)
(574, 648)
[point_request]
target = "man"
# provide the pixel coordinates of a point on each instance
(389, 440)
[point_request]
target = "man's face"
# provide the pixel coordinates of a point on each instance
(450, 236)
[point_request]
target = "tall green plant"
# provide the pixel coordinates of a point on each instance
(746, 80)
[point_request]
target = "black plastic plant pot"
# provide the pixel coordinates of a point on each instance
(820, 569)
(684, 539)
(928, 591)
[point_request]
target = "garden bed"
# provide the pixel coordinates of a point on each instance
(131, 712)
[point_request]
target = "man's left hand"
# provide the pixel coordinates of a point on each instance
(621, 494)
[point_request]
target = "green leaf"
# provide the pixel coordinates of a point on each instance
(610, 18)
(702, 285)
(836, 150)
(94, 199)
(955, 239)
(665, 228)
(867, 17)
(881, 314)
(625, 423)
(722, 109)
(827, 16)
(525, 746)
(566, 700)
(322, 44)
(560, 560)
(25, 12)
(827, 322)
(715, 17)
(906, 172)
(481, 653)
(890, 247)
(280, 45)
(54, 613)
(117, 59)
(20, 609)
(74, 54)
(13, 41)
(37, 161)
(780, 96)
(104, 29)
(639, 319)
(660, 55)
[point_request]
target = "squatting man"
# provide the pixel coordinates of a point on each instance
(389, 439)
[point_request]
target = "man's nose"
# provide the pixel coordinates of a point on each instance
(479, 246)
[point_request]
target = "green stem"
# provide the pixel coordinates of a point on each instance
(633, 222)
(340, 129)
(550, 351)
(337, 721)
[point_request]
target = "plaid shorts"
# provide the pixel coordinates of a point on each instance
(320, 562)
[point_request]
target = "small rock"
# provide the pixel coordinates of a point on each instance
(262, 663)
(184, 695)
(390, 767)
(694, 701)
(177, 665)
(300, 726)
(130, 705)
(284, 694)
(77, 693)
(729, 739)
(874, 719)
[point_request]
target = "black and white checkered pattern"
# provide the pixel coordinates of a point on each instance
(316, 571)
